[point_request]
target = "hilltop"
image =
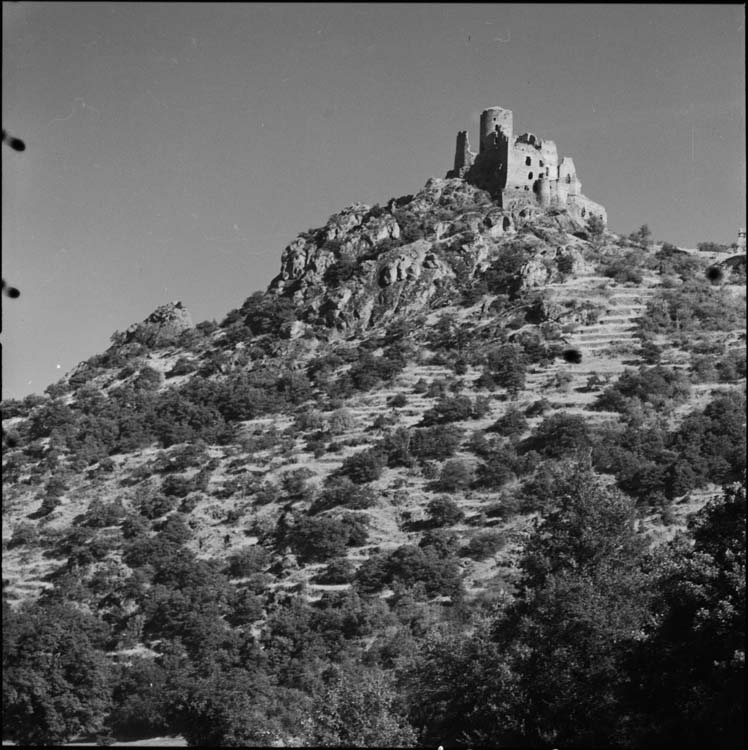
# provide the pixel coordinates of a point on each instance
(356, 457)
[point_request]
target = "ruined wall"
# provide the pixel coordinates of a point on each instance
(464, 157)
(521, 170)
(526, 163)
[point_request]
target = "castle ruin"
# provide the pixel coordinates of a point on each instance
(522, 170)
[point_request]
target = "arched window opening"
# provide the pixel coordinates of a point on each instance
(528, 161)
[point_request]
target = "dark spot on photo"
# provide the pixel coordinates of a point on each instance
(573, 356)
(15, 143)
(714, 273)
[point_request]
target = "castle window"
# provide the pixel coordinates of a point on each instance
(568, 179)
(528, 161)
(529, 176)
(547, 171)
(541, 163)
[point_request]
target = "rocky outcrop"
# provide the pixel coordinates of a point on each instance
(368, 264)
(162, 327)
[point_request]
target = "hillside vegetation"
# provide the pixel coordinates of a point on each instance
(459, 476)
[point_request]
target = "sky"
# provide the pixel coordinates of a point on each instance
(175, 149)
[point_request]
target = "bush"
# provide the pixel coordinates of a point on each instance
(342, 492)
(156, 506)
(694, 307)
(148, 380)
(24, 534)
(503, 275)
(455, 475)
(365, 466)
(398, 401)
(369, 371)
(266, 313)
(450, 409)
(437, 443)
(512, 424)
(247, 561)
(318, 539)
(505, 367)
(444, 512)
(559, 435)
(499, 467)
(337, 571)
(712, 247)
(484, 545)
(101, 513)
(656, 385)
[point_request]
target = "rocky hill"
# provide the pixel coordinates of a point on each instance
(375, 435)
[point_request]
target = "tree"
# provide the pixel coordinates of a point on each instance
(688, 675)
(455, 475)
(506, 367)
(359, 708)
(236, 708)
(546, 670)
(596, 228)
(444, 512)
(364, 466)
(642, 236)
(559, 435)
(55, 678)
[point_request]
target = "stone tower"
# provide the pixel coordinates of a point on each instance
(521, 170)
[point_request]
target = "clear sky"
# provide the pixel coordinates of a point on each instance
(174, 149)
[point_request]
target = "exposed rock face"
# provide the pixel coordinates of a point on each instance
(368, 264)
(162, 327)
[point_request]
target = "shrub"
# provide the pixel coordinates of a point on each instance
(559, 435)
(694, 306)
(343, 492)
(712, 247)
(148, 379)
(101, 513)
(365, 466)
(436, 443)
(450, 409)
(500, 466)
(24, 534)
(340, 421)
(370, 371)
(444, 512)
(503, 275)
(267, 313)
(318, 539)
(455, 475)
(512, 424)
(412, 565)
(398, 400)
(337, 571)
(441, 541)
(174, 530)
(505, 367)
(484, 545)
(656, 385)
(155, 506)
(247, 561)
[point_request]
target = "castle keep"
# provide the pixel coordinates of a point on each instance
(521, 170)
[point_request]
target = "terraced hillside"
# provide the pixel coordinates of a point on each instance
(374, 437)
